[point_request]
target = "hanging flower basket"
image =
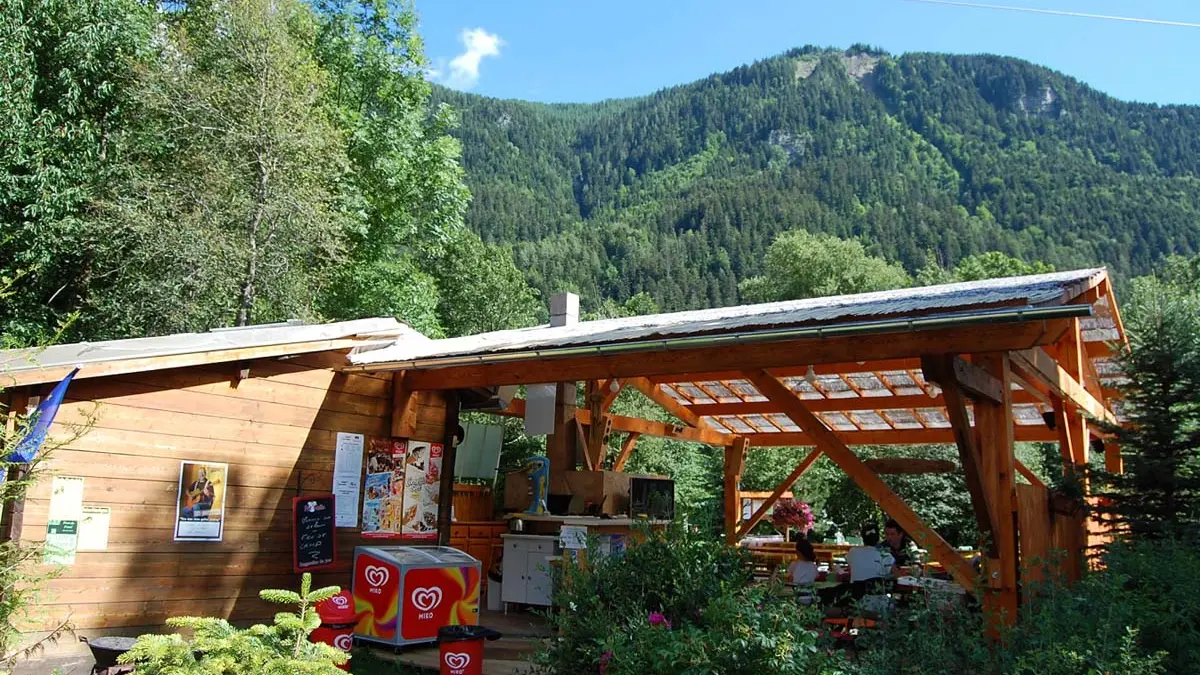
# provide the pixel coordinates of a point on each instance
(792, 514)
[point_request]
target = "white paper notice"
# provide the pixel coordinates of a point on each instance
(347, 477)
(93, 529)
(66, 498)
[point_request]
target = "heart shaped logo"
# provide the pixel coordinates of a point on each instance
(457, 660)
(376, 575)
(343, 642)
(341, 601)
(426, 599)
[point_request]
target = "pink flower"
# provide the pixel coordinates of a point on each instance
(657, 619)
(604, 659)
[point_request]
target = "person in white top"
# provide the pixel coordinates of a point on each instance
(869, 561)
(802, 573)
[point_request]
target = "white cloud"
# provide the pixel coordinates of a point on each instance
(464, 68)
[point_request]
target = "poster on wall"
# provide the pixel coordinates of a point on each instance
(383, 493)
(62, 526)
(422, 476)
(347, 476)
(200, 507)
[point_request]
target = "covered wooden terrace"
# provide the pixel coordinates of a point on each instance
(981, 365)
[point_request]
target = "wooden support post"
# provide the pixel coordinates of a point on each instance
(404, 406)
(801, 468)
(994, 426)
(940, 369)
(626, 451)
(560, 445)
(449, 456)
(735, 465)
(600, 425)
(831, 444)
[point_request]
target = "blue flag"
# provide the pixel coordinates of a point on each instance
(28, 447)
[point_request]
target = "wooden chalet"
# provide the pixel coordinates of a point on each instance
(982, 365)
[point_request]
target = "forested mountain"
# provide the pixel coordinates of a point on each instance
(925, 157)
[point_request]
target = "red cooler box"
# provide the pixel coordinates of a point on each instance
(404, 594)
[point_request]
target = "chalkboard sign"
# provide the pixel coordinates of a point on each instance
(313, 545)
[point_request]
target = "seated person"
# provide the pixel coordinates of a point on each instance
(899, 545)
(870, 565)
(802, 573)
(869, 561)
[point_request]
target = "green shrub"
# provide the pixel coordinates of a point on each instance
(1100, 625)
(218, 648)
(678, 602)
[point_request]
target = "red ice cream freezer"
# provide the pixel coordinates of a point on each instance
(404, 594)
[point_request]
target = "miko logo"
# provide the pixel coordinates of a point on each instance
(376, 576)
(426, 600)
(457, 662)
(341, 601)
(344, 642)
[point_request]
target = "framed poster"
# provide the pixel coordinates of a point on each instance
(200, 507)
(313, 543)
(422, 486)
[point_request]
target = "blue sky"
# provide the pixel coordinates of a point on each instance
(583, 50)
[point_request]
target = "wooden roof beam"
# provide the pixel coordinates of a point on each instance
(1033, 433)
(795, 371)
(831, 444)
(667, 402)
(903, 402)
(1044, 372)
(782, 354)
(516, 408)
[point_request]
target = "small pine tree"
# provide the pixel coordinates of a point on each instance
(1159, 492)
(218, 648)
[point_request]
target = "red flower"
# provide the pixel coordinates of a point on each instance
(604, 659)
(657, 619)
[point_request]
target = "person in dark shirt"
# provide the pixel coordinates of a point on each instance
(898, 544)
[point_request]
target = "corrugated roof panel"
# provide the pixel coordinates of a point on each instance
(719, 390)
(760, 423)
(898, 378)
(902, 419)
(1027, 415)
(746, 390)
(783, 422)
(869, 385)
(1029, 291)
(838, 421)
(933, 418)
(736, 424)
(869, 420)
(696, 394)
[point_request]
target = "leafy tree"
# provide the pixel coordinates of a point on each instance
(995, 265)
(804, 265)
(66, 69)
(1159, 492)
(239, 155)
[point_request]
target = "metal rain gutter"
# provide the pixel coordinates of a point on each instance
(695, 342)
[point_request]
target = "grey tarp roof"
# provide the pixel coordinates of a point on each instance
(1028, 291)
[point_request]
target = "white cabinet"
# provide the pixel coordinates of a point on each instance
(527, 569)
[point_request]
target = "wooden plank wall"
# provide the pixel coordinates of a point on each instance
(276, 430)
(1048, 537)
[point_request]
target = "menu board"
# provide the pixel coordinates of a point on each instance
(401, 492)
(313, 544)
